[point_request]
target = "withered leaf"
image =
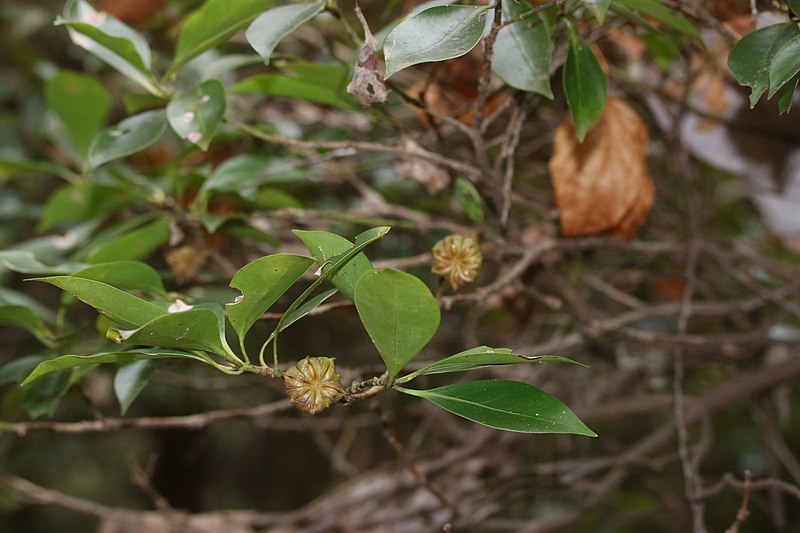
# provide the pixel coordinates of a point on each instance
(367, 84)
(603, 184)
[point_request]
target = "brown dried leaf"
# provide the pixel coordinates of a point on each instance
(367, 84)
(603, 184)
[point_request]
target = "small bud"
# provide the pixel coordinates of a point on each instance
(313, 384)
(457, 258)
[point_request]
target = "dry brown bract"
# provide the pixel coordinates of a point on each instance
(603, 184)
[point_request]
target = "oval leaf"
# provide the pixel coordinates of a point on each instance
(212, 24)
(200, 328)
(73, 361)
(81, 104)
(25, 262)
(313, 90)
(399, 313)
(129, 381)
(481, 357)
(130, 136)
(196, 114)
(268, 29)
(127, 275)
(751, 57)
(434, 34)
(114, 42)
(523, 51)
(507, 405)
(132, 246)
(585, 85)
(667, 16)
(261, 283)
(326, 247)
(119, 306)
(785, 65)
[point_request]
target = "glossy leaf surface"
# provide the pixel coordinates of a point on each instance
(119, 306)
(73, 361)
(200, 328)
(524, 51)
(261, 283)
(507, 405)
(130, 136)
(195, 115)
(585, 85)
(130, 380)
(481, 357)
(399, 313)
(213, 23)
(785, 65)
(751, 57)
(273, 25)
(326, 247)
(434, 34)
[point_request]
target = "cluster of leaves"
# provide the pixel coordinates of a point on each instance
(769, 58)
(191, 97)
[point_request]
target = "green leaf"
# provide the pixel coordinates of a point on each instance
(25, 262)
(244, 174)
(130, 136)
(268, 29)
(199, 328)
(195, 114)
(523, 51)
(585, 85)
(130, 380)
(399, 313)
(76, 361)
(83, 201)
(326, 247)
(128, 275)
(599, 8)
(16, 369)
(81, 104)
(794, 5)
(215, 22)
(115, 43)
(481, 357)
(786, 95)
(13, 166)
(261, 283)
(132, 246)
(24, 317)
(785, 65)
(434, 34)
(119, 306)
(507, 405)
(667, 16)
(468, 198)
(294, 87)
(750, 58)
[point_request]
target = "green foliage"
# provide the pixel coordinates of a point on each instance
(434, 34)
(211, 25)
(399, 313)
(130, 136)
(524, 51)
(195, 115)
(273, 25)
(752, 57)
(508, 405)
(585, 85)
